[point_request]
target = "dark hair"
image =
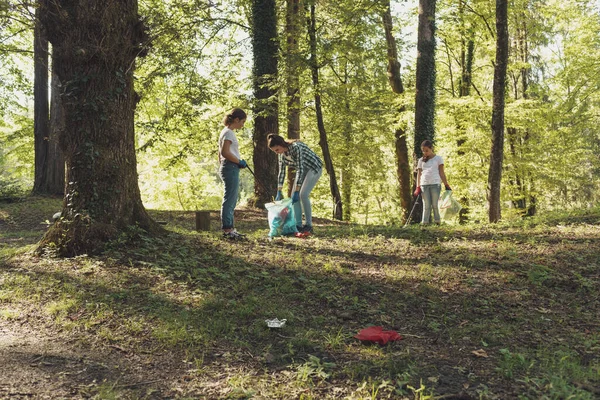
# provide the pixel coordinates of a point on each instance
(276, 140)
(232, 115)
(427, 143)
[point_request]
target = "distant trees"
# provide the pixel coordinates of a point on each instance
(330, 82)
(49, 170)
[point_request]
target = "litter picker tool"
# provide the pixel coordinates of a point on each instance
(257, 180)
(412, 211)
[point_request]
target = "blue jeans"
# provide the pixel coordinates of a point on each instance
(230, 174)
(310, 180)
(431, 195)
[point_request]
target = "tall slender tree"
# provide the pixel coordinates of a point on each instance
(323, 141)
(497, 155)
(95, 45)
(265, 48)
(395, 79)
(41, 116)
(293, 58)
(55, 165)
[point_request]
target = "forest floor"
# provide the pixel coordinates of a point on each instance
(485, 312)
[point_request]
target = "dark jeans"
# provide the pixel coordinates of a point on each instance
(230, 174)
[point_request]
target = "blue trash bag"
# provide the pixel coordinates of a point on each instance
(281, 218)
(449, 207)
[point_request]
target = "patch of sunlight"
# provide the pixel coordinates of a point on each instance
(9, 314)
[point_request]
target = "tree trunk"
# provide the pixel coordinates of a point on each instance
(265, 48)
(348, 149)
(41, 121)
(323, 142)
(395, 79)
(425, 84)
(293, 71)
(467, 47)
(95, 46)
(497, 154)
(56, 160)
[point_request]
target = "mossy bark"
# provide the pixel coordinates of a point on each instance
(95, 47)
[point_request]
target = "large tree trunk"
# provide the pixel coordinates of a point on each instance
(323, 142)
(293, 70)
(425, 84)
(95, 47)
(41, 121)
(395, 79)
(497, 155)
(264, 47)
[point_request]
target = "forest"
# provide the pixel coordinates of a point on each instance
(110, 113)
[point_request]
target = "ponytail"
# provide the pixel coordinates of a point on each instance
(232, 115)
(276, 140)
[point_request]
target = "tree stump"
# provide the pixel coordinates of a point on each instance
(203, 220)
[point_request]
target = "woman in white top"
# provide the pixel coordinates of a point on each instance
(430, 173)
(230, 163)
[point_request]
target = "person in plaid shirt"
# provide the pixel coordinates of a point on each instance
(309, 168)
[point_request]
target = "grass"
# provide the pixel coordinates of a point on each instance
(486, 312)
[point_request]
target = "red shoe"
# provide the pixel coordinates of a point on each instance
(302, 235)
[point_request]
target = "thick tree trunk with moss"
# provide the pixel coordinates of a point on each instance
(95, 47)
(497, 155)
(265, 48)
(425, 84)
(395, 79)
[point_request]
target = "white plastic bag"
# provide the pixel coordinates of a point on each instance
(449, 207)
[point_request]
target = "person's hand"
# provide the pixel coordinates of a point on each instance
(295, 197)
(279, 195)
(242, 164)
(417, 191)
(447, 187)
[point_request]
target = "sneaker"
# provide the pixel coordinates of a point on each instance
(233, 235)
(306, 229)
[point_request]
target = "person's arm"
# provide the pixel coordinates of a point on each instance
(443, 177)
(300, 171)
(417, 191)
(227, 154)
(281, 177)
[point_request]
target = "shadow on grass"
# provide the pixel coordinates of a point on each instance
(199, 298)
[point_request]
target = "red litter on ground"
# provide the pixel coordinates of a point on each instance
(376, 334)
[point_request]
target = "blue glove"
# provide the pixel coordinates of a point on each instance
(242, 164)
(295, 197)
(279, 195)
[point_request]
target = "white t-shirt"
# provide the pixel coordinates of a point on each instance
(430, 170)
(228, 134)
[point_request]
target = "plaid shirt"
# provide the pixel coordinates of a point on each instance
(300, 157)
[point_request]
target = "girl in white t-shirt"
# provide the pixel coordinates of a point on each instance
(430, 173)
(229, 170)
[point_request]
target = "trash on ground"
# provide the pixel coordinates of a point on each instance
(275, 323)
(376, 334)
